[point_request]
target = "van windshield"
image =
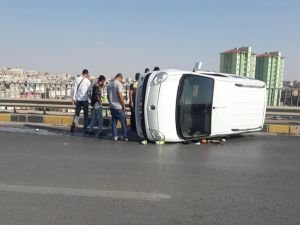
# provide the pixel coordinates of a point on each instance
(194, 106)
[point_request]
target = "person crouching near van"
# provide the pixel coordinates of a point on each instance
(96, 103)
(132, 95)
(81, 99)
(117, 106)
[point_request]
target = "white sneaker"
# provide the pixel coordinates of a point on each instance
(126, 139)
(115, 138)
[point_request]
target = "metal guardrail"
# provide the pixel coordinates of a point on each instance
(290, 97)
(285, 109)
(44, 90)
(50, 104)
(44, 105)
(282, 96)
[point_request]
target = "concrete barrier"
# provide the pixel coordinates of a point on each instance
(67, 121)
(47, 119)
(5, 118)
(283, 129)
(62, 120)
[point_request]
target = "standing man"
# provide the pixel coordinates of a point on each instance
(117, 106)
(96, 102)
(81, 99)
(132, 94)
(156, 68)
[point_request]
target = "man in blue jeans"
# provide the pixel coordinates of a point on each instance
(117, 106)
(96, 102)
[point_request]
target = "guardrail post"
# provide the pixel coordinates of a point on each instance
(284, 98)
(34, 94)
(66, 91)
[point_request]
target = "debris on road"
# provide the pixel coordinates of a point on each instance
(160, 142)
(144, 142)
(186, 142)
(203, 141)
(215, 141)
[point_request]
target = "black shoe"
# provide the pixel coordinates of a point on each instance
(101, 134)
(91, 133)
(125, 139)
(72, 129)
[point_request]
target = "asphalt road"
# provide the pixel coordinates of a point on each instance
(52, 178)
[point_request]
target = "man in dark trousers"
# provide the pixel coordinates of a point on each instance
(96, 102)
(81, 99)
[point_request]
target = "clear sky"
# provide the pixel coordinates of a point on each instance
(128, 35)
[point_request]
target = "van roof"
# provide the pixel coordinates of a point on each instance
(222, 76)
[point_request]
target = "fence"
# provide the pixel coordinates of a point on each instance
(46, 106)
(64, 90)
(290, 97)
(29, 90)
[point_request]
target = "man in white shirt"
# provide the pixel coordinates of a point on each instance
(81, 99)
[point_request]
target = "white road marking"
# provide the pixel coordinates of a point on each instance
(84, 192)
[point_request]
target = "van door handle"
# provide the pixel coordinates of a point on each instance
(219, 107)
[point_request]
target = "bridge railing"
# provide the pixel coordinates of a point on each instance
(46, 106)
(284, 96)
(44, 90)
(36, 90)
(290, 97)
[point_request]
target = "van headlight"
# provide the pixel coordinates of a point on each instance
(159, 78)
(157, 136)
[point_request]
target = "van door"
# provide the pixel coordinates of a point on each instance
(194, 106)
(223, 94)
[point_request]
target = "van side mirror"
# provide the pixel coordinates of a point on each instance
(197, 67)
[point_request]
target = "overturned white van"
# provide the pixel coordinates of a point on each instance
(175, 105)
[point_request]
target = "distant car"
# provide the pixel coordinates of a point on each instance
(276, 117)
(176, 105)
